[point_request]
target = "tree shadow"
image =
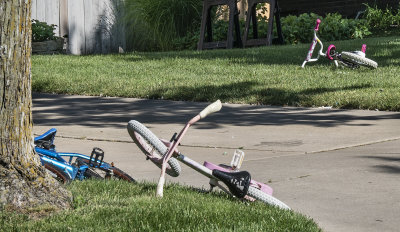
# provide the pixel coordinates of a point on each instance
(285, 55)
(386, 168)
(387, 55)
(62, 110)
(246, 89)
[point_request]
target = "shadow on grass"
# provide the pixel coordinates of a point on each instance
(281, 55)
(246, 90)
(289, 55)
(387, 54)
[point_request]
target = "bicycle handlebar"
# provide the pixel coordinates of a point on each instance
(317, 25)
(212, 108)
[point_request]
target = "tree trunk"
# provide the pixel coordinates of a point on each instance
(24, 183)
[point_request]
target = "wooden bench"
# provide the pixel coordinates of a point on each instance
(251, 17)
(206, 42)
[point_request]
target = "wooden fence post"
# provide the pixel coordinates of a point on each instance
(76, 27)
(92, 26)
(63, 18)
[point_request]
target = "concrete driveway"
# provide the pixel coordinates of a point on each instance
(339, 167)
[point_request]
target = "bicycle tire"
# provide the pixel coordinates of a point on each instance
(119, 174)
(90, 172)
(58, 174)
(359, 60)
(266, 198)
(152, 147)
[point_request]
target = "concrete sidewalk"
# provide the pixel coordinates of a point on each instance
(339, 167)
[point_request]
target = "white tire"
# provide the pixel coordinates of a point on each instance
(352, 57)
(152, 147)
(266, 198)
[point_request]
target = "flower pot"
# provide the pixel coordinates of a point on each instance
(48, 47)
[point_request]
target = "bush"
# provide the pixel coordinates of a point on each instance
(41, 31)
(175, 25)
(299, 29)
(161, 24)
(187, 42)
(382, 20)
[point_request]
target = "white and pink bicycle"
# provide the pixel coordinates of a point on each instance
(164, 154)
(353, 59)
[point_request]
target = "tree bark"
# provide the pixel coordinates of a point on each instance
(24, 183)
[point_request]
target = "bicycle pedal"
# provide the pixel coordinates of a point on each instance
(96, 157)
(109, 174)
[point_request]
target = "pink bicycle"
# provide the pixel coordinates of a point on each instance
(165, 155)
(353, 59)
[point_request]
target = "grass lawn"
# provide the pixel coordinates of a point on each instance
(118, 206)
(262, 75)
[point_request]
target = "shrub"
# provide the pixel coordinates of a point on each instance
(187, 42)
(175, 25)
(41, 31)
(159, 24)
(299, 29)
(381, 20)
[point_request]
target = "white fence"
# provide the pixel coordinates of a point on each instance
(92, 26)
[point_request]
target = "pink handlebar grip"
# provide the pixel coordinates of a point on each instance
(317, 26)
(364, 48)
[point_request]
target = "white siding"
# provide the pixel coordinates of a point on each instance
(92, 25)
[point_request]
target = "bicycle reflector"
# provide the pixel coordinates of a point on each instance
(237, 159)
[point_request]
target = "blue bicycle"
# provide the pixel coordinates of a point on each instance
(78, 166)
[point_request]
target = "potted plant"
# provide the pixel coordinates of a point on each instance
(44, 40)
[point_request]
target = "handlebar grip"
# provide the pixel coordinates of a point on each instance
(317, 26)
(364, 48)
(212, 108)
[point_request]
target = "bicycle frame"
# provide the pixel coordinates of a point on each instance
(203, 169)
(216, 106)
(236, 183)
(56, 158)
(320, 52)
(352, 59)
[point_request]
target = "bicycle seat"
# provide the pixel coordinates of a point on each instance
(46, 140)
(237, 182)
(220, 167)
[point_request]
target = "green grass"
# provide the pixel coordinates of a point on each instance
(118, 206)
(262, 75)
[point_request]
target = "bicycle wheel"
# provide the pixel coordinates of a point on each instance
(268, 199)
(119, 174)
(359, 60)
(152, 147)
(57, 174)
(89, 172)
